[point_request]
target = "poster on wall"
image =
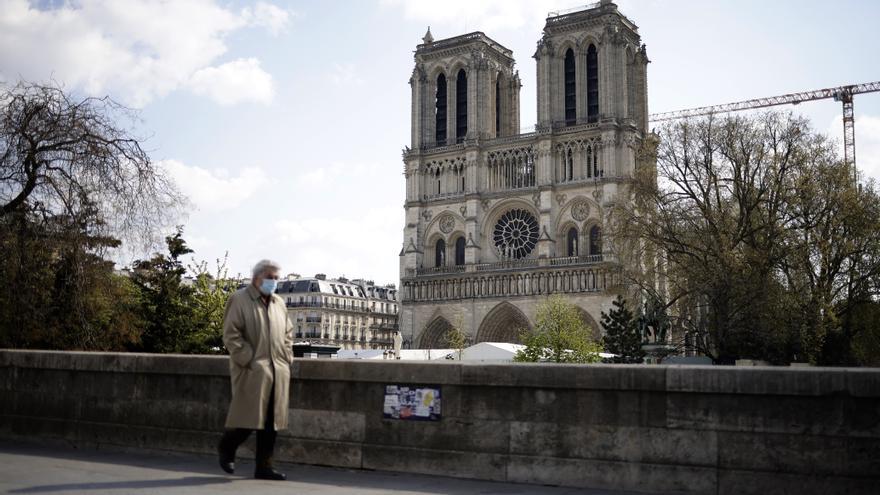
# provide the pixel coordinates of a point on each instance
(412, 403)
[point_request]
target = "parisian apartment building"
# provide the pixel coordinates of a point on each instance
(351, 314)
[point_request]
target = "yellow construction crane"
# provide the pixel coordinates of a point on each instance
(843, 94)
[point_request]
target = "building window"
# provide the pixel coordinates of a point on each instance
(440, 107)
(515, 234)
(461, 109)
(572, 242)
(592, 84)
(439, 255)
(459, 251)
(570, 89)
(595, 240)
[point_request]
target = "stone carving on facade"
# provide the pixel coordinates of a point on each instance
(411, 247)
(580, 210)
(447, 223)
(536, 198)
(485, 203)
(463, 210)
(597, 195)
(560, 198)
(427, 214)
(470, 241)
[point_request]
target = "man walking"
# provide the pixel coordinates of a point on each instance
(259, 338)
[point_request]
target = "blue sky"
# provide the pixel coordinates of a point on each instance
(284, 121)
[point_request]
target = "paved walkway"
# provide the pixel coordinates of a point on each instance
(28, 469)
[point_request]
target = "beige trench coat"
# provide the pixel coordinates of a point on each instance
(258, 339)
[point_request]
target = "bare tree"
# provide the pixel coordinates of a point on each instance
(62, 157)
(750, 234)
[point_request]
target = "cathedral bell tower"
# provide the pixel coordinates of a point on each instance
(497, 220)
(463, 88)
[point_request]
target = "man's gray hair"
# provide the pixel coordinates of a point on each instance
(264, 266)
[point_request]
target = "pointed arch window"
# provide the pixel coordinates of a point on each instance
(459, 251)
(595, 240)
(570, 88)
(461, 109)
(440, 107)
(592, 84)
(440, 253)
(572, 241)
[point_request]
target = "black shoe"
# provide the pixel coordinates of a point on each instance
(269, 474)
(227, 462)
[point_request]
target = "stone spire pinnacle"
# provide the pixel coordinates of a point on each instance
(428, 37)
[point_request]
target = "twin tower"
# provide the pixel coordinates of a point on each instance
(496, 219)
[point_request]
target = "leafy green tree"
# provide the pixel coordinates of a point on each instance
(622, 336)
(560, 336)
(166, 304)
(210, 293)
(456, 338)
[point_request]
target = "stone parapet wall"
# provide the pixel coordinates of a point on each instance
(662, 429)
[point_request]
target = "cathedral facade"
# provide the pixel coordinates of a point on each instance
(497, 220)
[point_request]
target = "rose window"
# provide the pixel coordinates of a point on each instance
(516, 234)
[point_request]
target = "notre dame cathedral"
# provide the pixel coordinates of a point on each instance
(497, 220)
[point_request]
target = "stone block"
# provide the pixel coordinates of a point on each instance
(779, 452)
(327, 425)
(863, 383)
(861, 416)
(337, 395)
(435, 462)
(615, 443)
(525, 404)
(318, 452)
(757, 380)
(731, 482)
(808, 415)
(622, 408)
(610, 475)
(450, 433)
(393, 371)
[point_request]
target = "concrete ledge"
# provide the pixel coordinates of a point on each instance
(664, 429)
(174, 364)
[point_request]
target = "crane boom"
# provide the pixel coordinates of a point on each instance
(789, 99)
(843, 94)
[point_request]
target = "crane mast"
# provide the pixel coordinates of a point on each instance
(843, 94)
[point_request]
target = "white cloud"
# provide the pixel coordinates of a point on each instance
(867, 143)
(332, 173)
(345, 75)
(266, 15)
(135, 50)
(215, 191)
(234, 82)
(362, 244)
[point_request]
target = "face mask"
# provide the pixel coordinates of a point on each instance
(268, 286)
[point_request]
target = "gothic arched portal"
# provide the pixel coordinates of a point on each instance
(590, 323)
(504, 323)
(434, 336)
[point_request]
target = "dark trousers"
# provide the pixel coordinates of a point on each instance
(265, 437)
